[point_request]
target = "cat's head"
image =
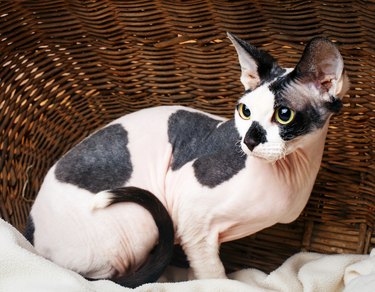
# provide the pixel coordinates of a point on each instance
(283, 107)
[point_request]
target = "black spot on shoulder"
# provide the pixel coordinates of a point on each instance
(100, 162)
(197, 136)
(186, 132)
(29, 230)
(224, 160)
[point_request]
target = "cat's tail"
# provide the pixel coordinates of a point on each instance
(160, 257)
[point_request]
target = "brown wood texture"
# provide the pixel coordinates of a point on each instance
(68, 67)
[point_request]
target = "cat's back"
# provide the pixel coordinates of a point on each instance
(160, 117)
(134, 149)
(154, 137)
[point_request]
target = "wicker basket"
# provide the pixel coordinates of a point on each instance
(68, 67)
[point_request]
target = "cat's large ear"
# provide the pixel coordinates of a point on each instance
(256, 65)
(322, 66)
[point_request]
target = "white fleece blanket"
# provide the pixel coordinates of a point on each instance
(21, 269)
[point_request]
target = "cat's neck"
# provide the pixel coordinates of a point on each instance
(304, 161)
(298, 170)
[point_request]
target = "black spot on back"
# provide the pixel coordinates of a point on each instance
(29, 230)
(100, 162)
(197, 136)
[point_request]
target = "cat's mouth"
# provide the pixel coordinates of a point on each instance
(268, 151)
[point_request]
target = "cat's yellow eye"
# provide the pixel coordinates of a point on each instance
(284, 115)
(244, 111)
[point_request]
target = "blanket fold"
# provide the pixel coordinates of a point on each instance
(22, 269)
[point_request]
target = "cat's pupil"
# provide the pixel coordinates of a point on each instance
(244, 111)
(285, 114)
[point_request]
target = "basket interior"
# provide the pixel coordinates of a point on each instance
(68, 67)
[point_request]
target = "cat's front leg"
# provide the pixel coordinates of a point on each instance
(203, 256)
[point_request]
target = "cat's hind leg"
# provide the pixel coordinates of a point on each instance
(158, 260)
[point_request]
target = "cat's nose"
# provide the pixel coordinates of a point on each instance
(255, 136)
(251, 143)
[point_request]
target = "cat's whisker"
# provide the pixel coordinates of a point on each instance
(239, 148)
(238, 143)
(283, 152)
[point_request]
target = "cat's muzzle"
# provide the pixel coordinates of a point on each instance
(269, 151)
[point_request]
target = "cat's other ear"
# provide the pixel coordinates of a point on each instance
(322, 65)
(256, 65)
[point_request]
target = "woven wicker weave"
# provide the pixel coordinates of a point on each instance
(68, 67)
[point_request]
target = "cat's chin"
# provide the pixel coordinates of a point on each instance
(271, 158)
